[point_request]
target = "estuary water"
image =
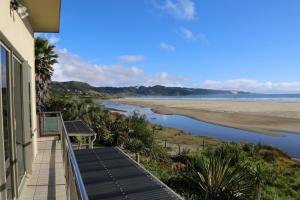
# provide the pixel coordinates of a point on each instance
(286, 141)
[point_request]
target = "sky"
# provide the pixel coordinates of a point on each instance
(250, 45)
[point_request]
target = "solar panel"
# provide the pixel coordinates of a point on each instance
(108, 174)
(77, 127)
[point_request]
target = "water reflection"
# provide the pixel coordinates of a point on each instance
(288, 142)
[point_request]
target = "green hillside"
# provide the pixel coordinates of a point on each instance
(84, 89)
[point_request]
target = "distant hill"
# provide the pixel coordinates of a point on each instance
(74, 88)
(84, 89)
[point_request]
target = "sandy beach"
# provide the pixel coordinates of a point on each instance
(265, 117)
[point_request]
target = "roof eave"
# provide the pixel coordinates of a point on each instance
(44, 15)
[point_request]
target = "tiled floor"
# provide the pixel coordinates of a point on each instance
(47, 181)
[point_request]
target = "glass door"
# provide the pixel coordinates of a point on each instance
(7, 137)
(18, 129)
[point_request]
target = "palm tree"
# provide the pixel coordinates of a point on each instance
(45, 58)
(217, 179)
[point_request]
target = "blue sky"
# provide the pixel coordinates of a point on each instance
(251, 45)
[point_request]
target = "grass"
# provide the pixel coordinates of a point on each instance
(176, 136)
(177, 140)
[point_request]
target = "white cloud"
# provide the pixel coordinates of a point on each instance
(167, 47)
(180, 9)
(131, 58)
(163, 78)
(190, 35)
(73, 67)
(245, 84)
(52, 38)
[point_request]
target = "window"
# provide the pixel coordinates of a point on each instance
(4, 77)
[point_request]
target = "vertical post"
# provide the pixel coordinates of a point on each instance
(93, 140)
(42, 123)
(69, 177)
(57, 124)
(137, 157)
(90, 142)
(203, 145)
(179, 149)
(61, 126)
(165, 144)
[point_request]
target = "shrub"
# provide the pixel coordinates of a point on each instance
(229, 150)
(139, 129)
(248, 148)
(267, 156)
(106, 138)
(159, 153)
(134, 145)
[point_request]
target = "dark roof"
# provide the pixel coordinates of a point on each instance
(78, 127)
(108, 174)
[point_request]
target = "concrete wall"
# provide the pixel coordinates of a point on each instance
(20, 35)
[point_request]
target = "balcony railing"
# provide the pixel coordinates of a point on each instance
(52, 124)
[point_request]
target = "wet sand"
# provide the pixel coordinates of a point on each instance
(265, 117)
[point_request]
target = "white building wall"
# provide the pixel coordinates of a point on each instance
(21, 36)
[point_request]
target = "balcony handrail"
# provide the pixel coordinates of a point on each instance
(51, 112)
(69, 160)
(77, 174)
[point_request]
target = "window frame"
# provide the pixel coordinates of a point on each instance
(16, 188)
(9, 125)
(20, 186)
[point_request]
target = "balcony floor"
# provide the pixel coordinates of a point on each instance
(48, 178)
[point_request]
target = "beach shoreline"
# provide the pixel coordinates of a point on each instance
(261, 117)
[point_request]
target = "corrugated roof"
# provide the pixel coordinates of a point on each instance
(108, 174)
